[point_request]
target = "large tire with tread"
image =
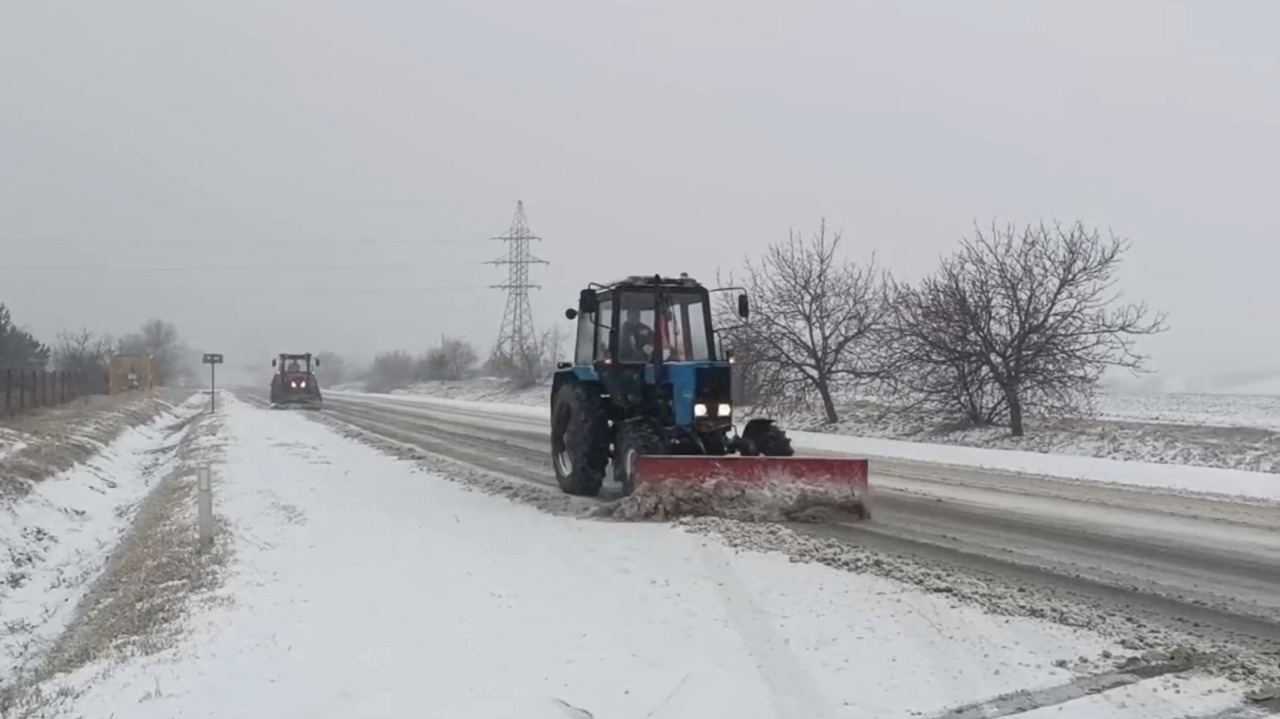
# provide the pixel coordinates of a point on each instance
(767, 439)
(635, 439)
(579, 439)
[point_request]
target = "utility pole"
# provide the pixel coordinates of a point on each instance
(515, 338)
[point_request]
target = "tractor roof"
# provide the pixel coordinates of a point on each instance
(684, 280)
(304, 355)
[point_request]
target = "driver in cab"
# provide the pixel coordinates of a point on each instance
(637, 339)
(635, 342)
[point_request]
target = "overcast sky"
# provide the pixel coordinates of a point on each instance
(187, 159)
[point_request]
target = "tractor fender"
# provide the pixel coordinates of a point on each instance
(558, 380)
(579, 373)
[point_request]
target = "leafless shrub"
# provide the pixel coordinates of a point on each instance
(452, 359)
(532, 365)
(391, 370)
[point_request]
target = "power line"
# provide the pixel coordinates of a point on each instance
(255, 243)
(267, 267)
(276, 291)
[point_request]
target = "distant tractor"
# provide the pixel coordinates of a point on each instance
(649, 391)
(294, 382)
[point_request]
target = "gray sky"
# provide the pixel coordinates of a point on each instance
(254, 134)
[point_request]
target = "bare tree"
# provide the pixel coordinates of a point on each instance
(816, 322)
(83, 352)
(160, 339)
(459, 356)
(1018, 321)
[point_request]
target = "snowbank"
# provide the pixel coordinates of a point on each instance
(364, 586)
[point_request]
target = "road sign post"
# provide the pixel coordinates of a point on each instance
(213, 360)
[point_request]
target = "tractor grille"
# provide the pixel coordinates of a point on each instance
(713, 384)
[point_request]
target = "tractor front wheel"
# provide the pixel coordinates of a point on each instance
(579, 440)
(635, 440)
(763, 437)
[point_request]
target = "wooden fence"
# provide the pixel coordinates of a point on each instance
(22, 390)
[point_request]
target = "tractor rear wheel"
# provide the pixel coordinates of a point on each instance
(579, 440)
(635, 440)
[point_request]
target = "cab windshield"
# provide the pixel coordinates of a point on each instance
(681, 324)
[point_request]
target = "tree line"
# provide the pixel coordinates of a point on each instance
(453, 358)
(88, 352)
(1015, 322)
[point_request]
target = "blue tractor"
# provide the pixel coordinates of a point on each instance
(647, 378)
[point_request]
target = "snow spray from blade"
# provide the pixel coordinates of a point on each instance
(768, 489)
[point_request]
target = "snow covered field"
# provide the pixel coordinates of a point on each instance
(359, 585)
(1204, 430)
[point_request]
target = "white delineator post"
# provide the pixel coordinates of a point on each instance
(204, 505)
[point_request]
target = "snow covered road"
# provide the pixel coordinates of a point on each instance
(365, 586)
(1210, 566)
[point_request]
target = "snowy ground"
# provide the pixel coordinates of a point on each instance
(361, 585)
(58, 531)
(43, 442)
(1204, 430)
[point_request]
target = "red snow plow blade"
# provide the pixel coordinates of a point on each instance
(810, 481)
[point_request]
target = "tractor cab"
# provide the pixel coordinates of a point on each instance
(643, 320)
(294, 382)
(650, 343)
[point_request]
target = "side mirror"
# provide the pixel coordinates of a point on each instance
(571, 314)
(588, 302)
(744, 308)
(273, 363)
(728, 356)
(317, 361)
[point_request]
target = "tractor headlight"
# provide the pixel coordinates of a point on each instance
(725, 409)
(699, 410)
(303, 383)
(293, 385)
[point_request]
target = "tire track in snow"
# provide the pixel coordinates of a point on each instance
(794, 694)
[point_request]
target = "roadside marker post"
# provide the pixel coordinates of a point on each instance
(204, 505)
(213, 360)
